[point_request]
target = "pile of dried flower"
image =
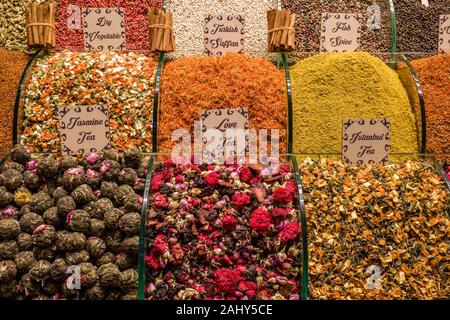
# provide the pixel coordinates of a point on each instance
(124, 82)
(222, 232)
(68, 222)
(376, 232)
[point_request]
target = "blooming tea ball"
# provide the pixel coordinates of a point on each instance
(31, 180)
(131, 245)
(110, 169)
(79, 220)
(29, 285)
(110, 275)
(5, 196)
(108, 188)
(8, 290)
(111, 218)
(73, 178)
(11, 179)
(88, 274)
(96, 247)
(97, 227)
(25, 241)
(128, 176)
(114, 241)
(24, 260)
(40, 202)
(9, 229)
(43, 235)
(48, 167)
(121, 193)
(129, 223)
(59, 193)
(51, 216)
(40, 271)
(50, 287)
(45, 253)
(76, 257)
(30, 221)
(8, 249)
(82, 195)
(70, 241)
(65, 205)
(130, 278)
(132, 158)
(22, 196)
(58, 269)
(124, 261)
(8, 270)
(131, 203)
(100, 207)
(20, 154)
(96, 292)
(67, 162)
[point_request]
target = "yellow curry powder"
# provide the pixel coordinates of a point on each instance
(331, 87)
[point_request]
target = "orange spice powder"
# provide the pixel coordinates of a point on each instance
(434, 77)
(192, 84)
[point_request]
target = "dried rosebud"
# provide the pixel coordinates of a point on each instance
(100, 207)
(79, 220)
(92, 158)
(5, 196)
(130, 278)
(82, 195)
(77, 257)
(131, 245)
(19, 153)
(96, 247)
(8, 249)
(111, 218)
(260, 220)
(40, 270)
(121, 193)
(124, 261)
(58, 269)
(22, 196)
(30, 221)
(65, 205)
(96, 292)
(43, 235)
(48, 167)
(129, 223)
(110, 276)
(132, 158)
(45, 253)
(93, 178)
(88, 274)
(24, 260)
(51, 217)
(25, 242)
(108, 188)
(59, 193)
(31, 165)
(97, 227)
(108, 257)
(11, 179)
(128, 176)
(40, 202)
(9, 229)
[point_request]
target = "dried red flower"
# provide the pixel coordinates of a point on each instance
(157, 181)
(160, 201)
(290, 232)
(245, 174)
(260, 220)
(228, 223)
(212, 178)
(226, 280)
(240, 199)
(283, 195)
(160, 245)
(279, 212)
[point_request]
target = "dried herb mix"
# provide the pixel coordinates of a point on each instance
(42, 235)
(222, 232)
(394, 217)
(434, 77)
(124, 82)
(192, 84)
(330, 87)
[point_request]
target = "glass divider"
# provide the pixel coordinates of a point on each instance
(142, 231)
(19, 94)
(289, 101)
(304, 234)
(441, 171)
(156, 103)
(393, 33)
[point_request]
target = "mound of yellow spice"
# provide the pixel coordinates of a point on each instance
(190, 85)
(331, 87)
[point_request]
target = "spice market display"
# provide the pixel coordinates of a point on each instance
(69, 212)
(130, 221)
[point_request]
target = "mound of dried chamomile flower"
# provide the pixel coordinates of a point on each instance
(377, 232)
(69, 227)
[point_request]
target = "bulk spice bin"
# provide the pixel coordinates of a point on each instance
(63, 217)
(223, 232)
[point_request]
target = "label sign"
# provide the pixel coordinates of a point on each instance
(104, 29)
(444, 33)
(83, 129)
(223, 34)
(223, 120)
(365, 140)
(340, 32)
